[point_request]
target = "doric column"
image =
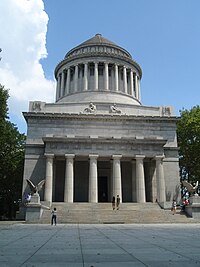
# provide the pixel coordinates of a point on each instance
(140, 182)
(76, 79)
(106, 76)
(96, 76)
(49, 178)
(85, 77)
(125, 79)
(117, 183)
(131, 80)
(62, 84)
(116, 78)
(93, 183)
(69, 179)
(161, 196)
(68, 81)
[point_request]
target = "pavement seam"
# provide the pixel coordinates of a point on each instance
(40, 247)
(121, 247)
(79, 236)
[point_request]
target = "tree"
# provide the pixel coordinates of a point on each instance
(11, 160)
(188, 132)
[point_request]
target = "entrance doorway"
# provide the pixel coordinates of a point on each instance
(103, 189)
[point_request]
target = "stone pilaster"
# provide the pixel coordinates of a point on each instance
(140, 182)
(93, 182)
(69, 179)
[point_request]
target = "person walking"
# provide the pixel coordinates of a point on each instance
(113, 202)
(53, 218)
(118, 202)
(173, 206)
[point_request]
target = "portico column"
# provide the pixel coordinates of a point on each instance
(69, 179)
(140, 183)
(125, 79)
(131, 79)
(49, 177)
(85, 76)
(161, 196)
(106, 76)
(68, 81)
(116, 78)
(76, 79)
(117, 183)
(93, 183)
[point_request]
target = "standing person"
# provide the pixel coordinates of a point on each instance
(53, 218)
(113, 202)
(118, 202)
(173, 206)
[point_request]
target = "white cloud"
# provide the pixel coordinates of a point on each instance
(23, 42)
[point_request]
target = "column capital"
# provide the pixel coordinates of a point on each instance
(116, 156)
(48, 155)
(93, 156)
(139, 156)
(69, 156)
(159, 157)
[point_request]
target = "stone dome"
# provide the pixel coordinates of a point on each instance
(98, 71)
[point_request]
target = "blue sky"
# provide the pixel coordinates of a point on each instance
(163, 37)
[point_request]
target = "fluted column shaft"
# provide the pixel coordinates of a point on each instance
(125, 79)
(69, 179)
(96, 76)
(161, 195)
(76, 79)
(117, 183)
(49, 178)
(85, 77)
(106, 77)
(116, 78)
(140, 182)
(93, 179)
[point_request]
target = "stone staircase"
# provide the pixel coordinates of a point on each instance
(102, 213)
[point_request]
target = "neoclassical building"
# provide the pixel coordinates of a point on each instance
(97, 140)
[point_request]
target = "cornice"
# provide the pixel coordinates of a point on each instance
(96, 117)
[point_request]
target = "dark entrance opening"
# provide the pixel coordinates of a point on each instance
(103, 189)
(59, 181)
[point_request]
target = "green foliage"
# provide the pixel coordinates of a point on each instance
(188, 132)
(11, 160)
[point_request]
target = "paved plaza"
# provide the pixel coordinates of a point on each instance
(100, 245)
